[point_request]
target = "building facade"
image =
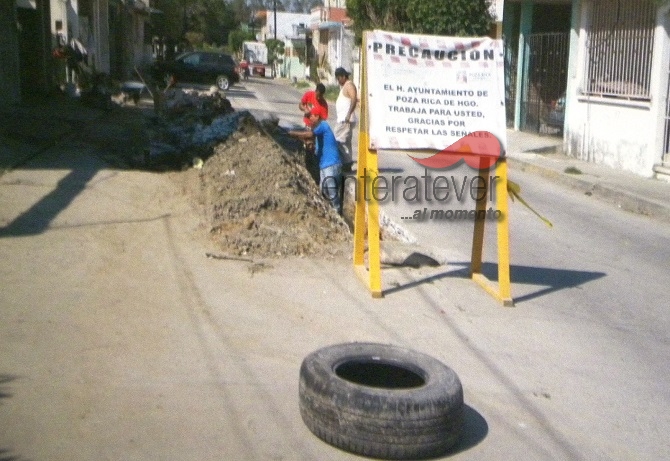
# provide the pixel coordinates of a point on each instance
(595, 72)
(333, 40)
(111, 34)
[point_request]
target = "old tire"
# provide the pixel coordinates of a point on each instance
(381, 401)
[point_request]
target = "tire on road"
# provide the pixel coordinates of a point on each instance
(381, 401)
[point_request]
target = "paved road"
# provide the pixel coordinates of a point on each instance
(119, 339)
(592, 293)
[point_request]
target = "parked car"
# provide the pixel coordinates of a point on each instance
(209, 67)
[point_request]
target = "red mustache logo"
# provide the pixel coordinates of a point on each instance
(480, 150)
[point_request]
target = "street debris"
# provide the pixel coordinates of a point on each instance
(256, 196)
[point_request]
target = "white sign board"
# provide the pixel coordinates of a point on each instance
(428, 92)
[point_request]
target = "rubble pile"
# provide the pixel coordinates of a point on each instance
(257, 198)
(188, 125)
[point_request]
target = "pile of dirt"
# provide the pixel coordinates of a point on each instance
(250, 180)
(258, 198)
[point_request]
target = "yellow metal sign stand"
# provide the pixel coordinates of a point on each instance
(366, 227)
(503, 292)
(367, 162)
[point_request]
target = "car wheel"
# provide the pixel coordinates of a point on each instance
(222, 82)
(381, 401)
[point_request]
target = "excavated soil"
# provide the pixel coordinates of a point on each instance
(259, 199)
(251, 183)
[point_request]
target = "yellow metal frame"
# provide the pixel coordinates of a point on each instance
(367, 162)
(367, 225)
(503, 291)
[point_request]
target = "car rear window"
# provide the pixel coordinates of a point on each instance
(227, 59)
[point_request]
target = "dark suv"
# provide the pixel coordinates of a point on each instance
(199, 67)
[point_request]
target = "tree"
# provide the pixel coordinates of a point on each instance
(212, 19)
(275, 49)
(170, 22)
(449, 18)
(456, 18)
(237, 37)
(240, 11)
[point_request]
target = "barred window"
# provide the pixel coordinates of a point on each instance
(619, 48)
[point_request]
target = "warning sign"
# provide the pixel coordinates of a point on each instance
(428, 92)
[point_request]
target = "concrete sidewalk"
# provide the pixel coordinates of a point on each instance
(31, 128)
(543, 155)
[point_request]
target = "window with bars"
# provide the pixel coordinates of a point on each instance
(619, 49)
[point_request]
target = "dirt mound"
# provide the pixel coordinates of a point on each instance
(251, 180)
(260, 200)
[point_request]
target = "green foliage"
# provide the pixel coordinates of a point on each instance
(237, 37)
(275, 49)
(332, 92)
(456, 18)
(449, 18)
(378, 14)
(212, 47)
(170, 23)
(214, 19)
(301, 84)
(240, 11)
(195, 39)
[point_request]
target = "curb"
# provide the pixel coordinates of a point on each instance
(621, 198)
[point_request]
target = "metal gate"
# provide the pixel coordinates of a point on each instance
(544, 83)
(666, 136)
(511, 59)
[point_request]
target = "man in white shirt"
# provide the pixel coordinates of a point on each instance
(346, 117)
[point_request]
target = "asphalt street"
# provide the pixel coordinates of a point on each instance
(120, 339)
(594, 282)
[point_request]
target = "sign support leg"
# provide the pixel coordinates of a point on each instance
(503, 292)
(366, 168)
(478, 234)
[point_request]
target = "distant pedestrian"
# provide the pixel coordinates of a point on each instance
(314, 98)
(330, 165)
(345, 107)
(244, 65)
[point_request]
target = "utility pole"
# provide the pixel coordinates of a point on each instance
(274, 6)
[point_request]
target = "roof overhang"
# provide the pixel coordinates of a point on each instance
(330, 25)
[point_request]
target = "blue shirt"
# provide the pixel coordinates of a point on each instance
(326, 146)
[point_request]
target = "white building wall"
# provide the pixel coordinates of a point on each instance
(334, 46)
(291, 66)
(625, 135)
(335, 3)
(59, 12)
(285, 23)
(619, 136)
